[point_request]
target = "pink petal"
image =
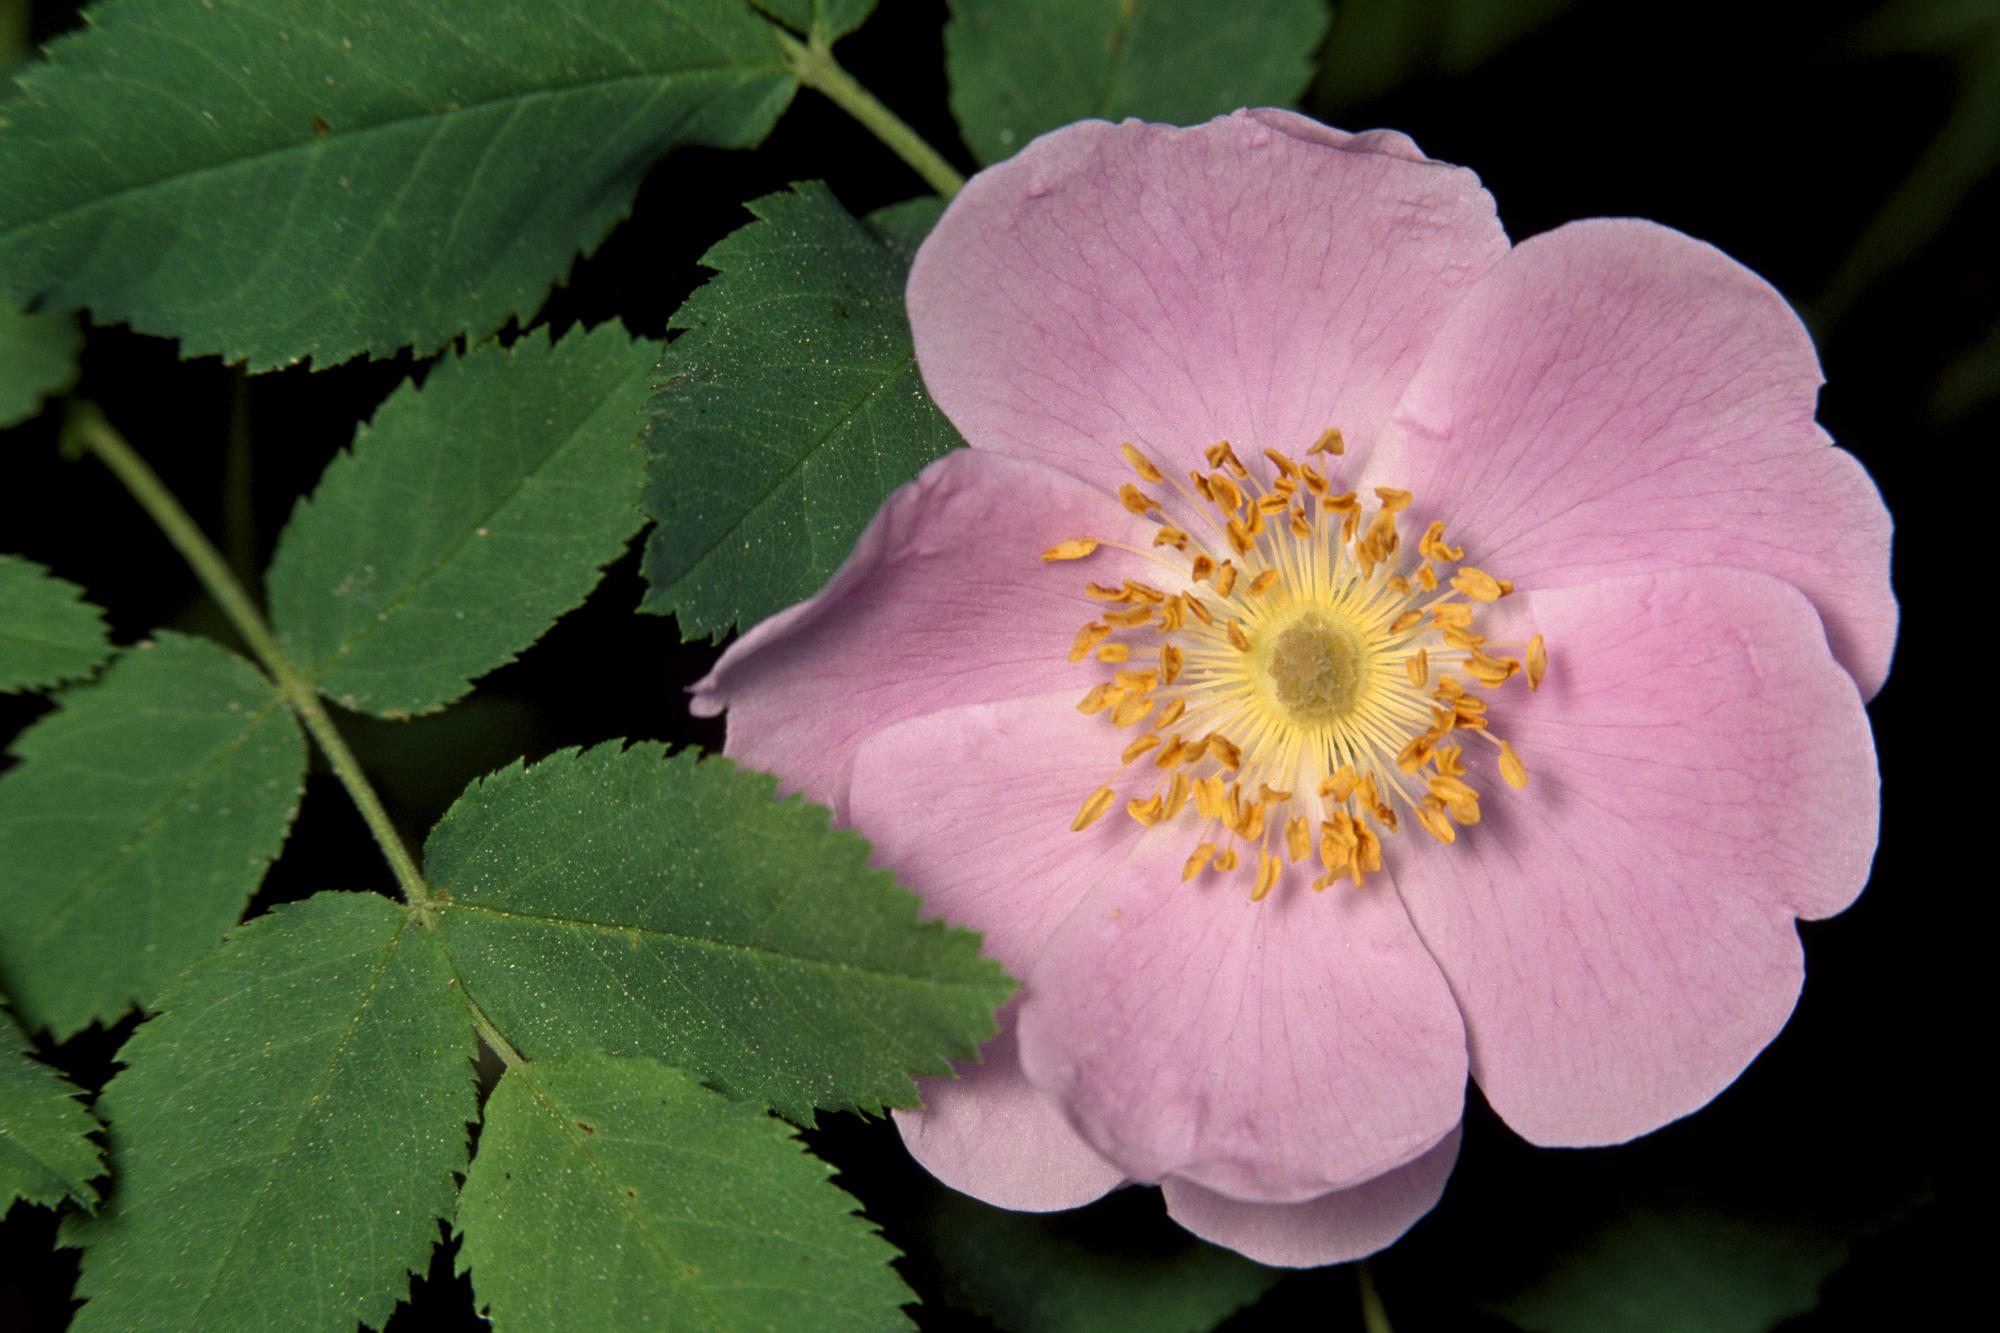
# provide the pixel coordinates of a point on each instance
(945, 601)
(1257, 278)
(1331, 1229)
(989, 1133)
(1615, 398)
(971, 807)
(1270, 1051)
(1619, 935)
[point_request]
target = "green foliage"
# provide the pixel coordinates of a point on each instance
(1019, 68)
(1377, 46)
(675, 909)
(1964, 152)
(469, 516)
(37, 358)
(284, 1134)
(789, 409)
(50, 634)
(1070, 1274)
(1678, 1268)
(138, 823)
(676, 1208)
(46, 1154)
(283, 179)
(821, 19)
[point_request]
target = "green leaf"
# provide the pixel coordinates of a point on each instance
(1377, 46)
(1081, 1273)
(1020, 68)
(37, 359)
(50, 634)
(658, 906)
(46, 1154)
(824, 19)
(281, 179)
(1963, 154)
(140, 820)
(672, 1207)
(1678, 1268)
(285, 1131)
(790, 408)
(469, 516)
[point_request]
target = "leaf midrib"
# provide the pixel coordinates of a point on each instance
(704, 942)
(87, 886)
(333, 1062)
(317, 143)
(421, 578)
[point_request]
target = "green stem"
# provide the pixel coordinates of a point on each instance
(87, 429)
(489, 1034)
(816, 68)
(1374, 1315)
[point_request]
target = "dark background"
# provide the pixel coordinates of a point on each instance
(1782, 134)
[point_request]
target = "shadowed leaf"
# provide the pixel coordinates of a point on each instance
(653, 905)
(282, 179)
(677, 1208)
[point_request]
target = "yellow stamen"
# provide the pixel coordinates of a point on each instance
(1138, 747)
(1329, 695)
(1136, 500)
(1094, 806)
(1141, 464)
(1087, 638)
(1100, 697)
(1132, 708)
(1268, 869)
(1477, 583)
(1298, 838)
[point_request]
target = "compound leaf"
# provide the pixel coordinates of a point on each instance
(658, 906)
(676, 1208)
(50, 634)
(37, 358)
(285, 1131)
(1019, 68)
(823, 19)
(467, 518)
(141, 818)
(46, 1154)
(282, 179)
(1677, 1267)
(1119, 1267)
(788, 411)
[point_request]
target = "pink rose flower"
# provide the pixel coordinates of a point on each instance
(1201, 683)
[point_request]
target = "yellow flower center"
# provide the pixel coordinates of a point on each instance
(1296, 699)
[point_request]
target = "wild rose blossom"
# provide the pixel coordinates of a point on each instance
(1353, 653)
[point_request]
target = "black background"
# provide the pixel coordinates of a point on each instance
(1775, 132)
